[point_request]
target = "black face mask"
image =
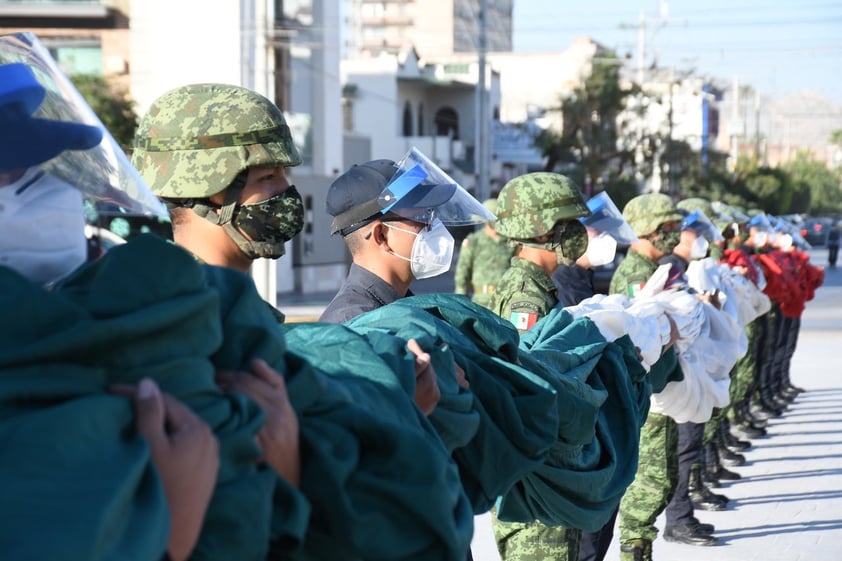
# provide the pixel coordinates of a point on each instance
(261, 229)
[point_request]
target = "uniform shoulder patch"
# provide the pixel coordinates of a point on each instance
(633, 290)
(523, 321)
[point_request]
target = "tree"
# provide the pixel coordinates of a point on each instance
(825, 185)
(587, 143)
(111, 104)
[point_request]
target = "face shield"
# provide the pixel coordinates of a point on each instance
(702, 226)
(422, 191)
(66, 189)
(607, 219)
(50, 130)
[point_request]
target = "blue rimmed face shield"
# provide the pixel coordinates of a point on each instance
(421, 191)
(699, 222)
(606, 218)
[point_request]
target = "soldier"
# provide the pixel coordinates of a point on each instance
(656, 221)
(393, 218)
(539, 212)
(483, 258)
(221, 172)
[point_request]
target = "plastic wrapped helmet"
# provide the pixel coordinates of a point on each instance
(195, 140)
(645, 213)
(530, 205)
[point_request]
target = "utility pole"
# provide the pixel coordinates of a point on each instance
(734, 128)
(483, 141)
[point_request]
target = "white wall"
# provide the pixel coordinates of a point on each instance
(174, 43)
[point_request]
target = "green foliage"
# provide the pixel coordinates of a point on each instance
(836, 137)
(825, 185)
(111, 104)
(586, 150)
(769, 189)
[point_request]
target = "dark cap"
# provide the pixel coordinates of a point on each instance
(352, 198)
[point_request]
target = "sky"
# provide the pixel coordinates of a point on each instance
(778, 47)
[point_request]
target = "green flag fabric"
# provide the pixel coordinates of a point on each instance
(377, 483)
(516, 408)
(603, 398)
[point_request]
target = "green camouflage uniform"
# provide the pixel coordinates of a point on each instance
(527, 291)
(524, 289)
(529, 207)
(482, 261)
(657, 470)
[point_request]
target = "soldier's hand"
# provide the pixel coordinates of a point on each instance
(427, 392)
(186, 454)
(674, 333)
(278, 437)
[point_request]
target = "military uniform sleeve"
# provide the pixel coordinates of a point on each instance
(628, 280)
(464, 266)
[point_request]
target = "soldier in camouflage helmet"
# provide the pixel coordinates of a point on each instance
(216, 155)
(656, 221)
(539, 213)
(483, 258)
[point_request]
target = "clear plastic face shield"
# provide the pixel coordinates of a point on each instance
(61, 172)
(421, 191)
(699, 222)
(606, 229)
(606, 218)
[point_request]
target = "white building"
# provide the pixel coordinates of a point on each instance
(432, 27)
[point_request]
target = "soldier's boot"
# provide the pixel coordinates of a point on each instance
(732, 442)
(701, 497)
(636, 550)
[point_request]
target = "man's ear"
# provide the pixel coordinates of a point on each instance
(378, 234)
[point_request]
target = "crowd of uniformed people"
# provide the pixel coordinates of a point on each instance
(153, 406)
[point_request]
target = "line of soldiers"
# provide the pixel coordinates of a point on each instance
(154, 407)
(681, 459)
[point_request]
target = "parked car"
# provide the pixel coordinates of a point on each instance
(815, 231)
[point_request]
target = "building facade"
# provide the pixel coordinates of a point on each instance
(432, 27)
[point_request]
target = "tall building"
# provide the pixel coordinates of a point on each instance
(432, 27)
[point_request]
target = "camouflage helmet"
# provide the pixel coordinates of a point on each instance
(196, 139)
(529, 206)
(696, 203)
(645, 213)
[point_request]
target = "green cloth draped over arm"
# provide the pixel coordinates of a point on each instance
(516, 408)
(603, 398)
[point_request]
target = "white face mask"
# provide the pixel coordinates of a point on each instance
(785, 242)
(432, 250)
(760, 239)
(601, 250)
(42, 224)
(699, 249)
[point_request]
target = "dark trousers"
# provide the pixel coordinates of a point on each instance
(594, 545)
(680, 510)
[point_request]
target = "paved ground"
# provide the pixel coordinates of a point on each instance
(788, 506)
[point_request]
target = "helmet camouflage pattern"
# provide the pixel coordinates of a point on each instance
(645, 213)
(196, 139)
(696, 203)
(530, 205)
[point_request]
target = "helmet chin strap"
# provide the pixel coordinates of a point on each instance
(223, 216)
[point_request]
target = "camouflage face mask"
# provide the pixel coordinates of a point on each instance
(665, 241)
(570, 242)
(267, 225)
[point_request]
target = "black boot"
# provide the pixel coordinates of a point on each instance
(689, 534)
(701, 497)
(726, 456)
(733, 443)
